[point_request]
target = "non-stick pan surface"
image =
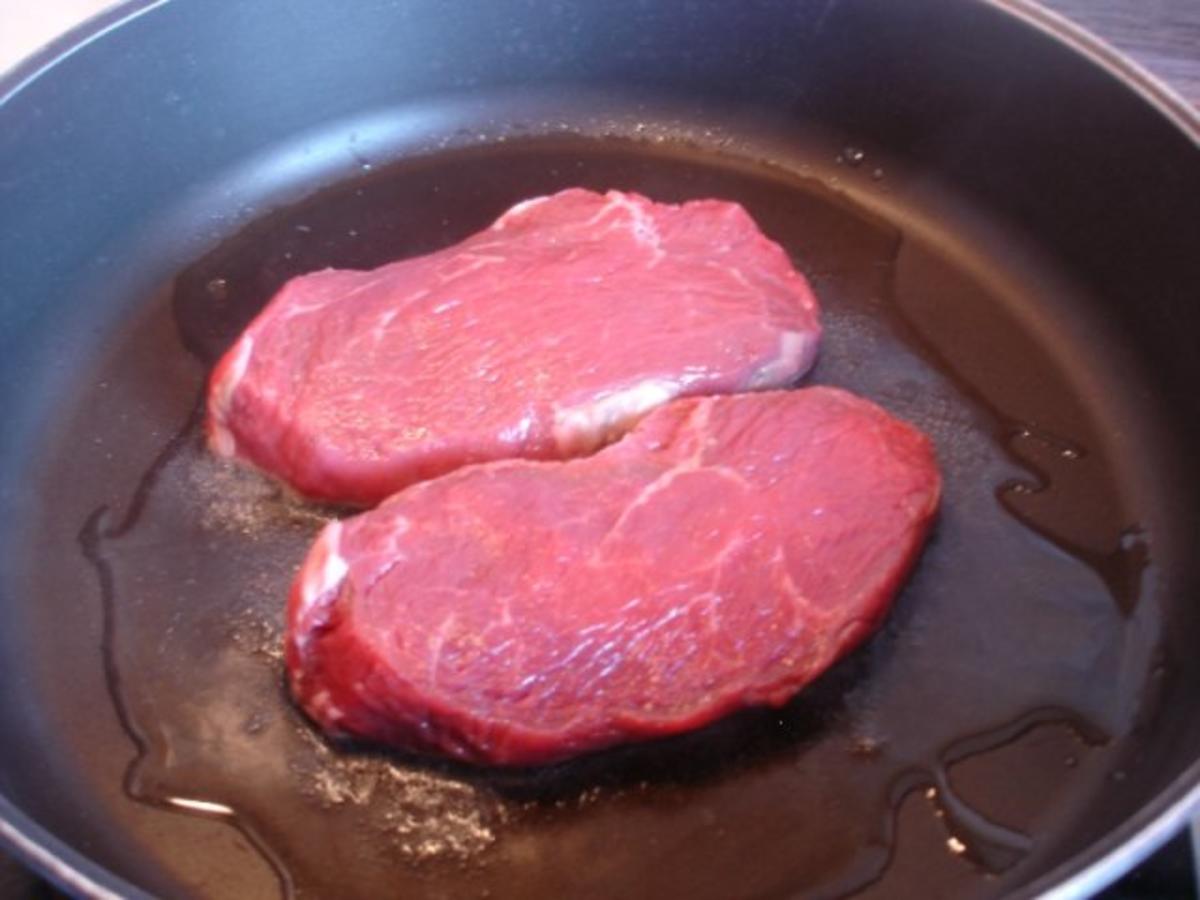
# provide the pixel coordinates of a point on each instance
(1002, 235)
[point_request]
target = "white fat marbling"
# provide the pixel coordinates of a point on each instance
(320, 579)
(222, 441)
(517, 210)
(797, 351)
(588, 425)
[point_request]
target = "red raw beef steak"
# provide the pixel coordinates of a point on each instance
(723, 554)
(543, 337)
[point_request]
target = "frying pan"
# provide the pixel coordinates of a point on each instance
(1000, 220)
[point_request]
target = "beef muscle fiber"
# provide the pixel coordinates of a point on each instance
(542, 337)
(722, 554)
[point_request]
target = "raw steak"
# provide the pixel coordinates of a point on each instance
(722, 554)
(543, 337)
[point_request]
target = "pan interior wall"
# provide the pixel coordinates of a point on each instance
(953, 752)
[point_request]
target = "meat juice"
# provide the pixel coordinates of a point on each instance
(954, 748)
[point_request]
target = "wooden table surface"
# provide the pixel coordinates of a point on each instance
(1163, 36)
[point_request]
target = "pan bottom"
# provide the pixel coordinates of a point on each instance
(949, 756)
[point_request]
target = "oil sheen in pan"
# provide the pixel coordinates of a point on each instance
(939, 758)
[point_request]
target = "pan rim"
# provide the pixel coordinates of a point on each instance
(1085, 873)
(68, 869)
(1069, 880)
(1150, 87)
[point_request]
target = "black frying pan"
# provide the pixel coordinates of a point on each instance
(1003, 233)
